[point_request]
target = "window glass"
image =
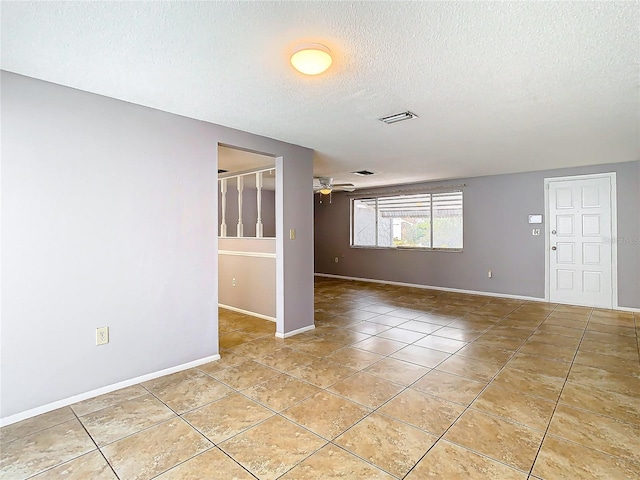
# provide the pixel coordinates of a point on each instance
(447, 220)
(426, 220)
(405, 221)
(364, 222)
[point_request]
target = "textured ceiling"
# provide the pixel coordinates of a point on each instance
(498, 87)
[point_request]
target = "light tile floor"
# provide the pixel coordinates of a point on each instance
(393, 383)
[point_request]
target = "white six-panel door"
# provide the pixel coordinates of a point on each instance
(580, 241)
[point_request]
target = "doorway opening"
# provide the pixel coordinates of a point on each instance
(246, 241)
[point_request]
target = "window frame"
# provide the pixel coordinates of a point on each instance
(402, 194)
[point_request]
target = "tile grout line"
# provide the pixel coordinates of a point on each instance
(546, 432)
(275, 413)
(197, 455)
(178, 415)
(474, 399)
(96, 444)
(636, 317)
(78, 456)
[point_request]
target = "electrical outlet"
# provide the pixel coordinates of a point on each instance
(233, 282)
(535, 232)
(102, 335)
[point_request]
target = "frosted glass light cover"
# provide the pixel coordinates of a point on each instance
(311, 59)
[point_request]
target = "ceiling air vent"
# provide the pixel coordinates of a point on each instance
(398, 117)
(364, 173)
(222, 171)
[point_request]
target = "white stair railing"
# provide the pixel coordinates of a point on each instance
(224, 189)
(259, 226)
(240, 182)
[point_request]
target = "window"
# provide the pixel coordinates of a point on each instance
(423, 220)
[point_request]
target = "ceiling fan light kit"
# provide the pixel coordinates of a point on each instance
(325, 186)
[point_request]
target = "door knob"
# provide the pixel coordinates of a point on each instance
(553, 248)
(553, 232)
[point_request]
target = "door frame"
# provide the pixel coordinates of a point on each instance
(614, 231)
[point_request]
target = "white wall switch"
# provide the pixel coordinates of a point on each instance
(292, 234)
(102, 335)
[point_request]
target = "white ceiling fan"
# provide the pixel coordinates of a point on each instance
(325, 186)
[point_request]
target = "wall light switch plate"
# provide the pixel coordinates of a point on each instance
(535, 232)
(102, 335)
(292, 234)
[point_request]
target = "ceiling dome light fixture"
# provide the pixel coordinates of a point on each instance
(311, 58)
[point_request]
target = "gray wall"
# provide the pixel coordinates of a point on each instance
(496, 236)
(249, 211)
(109, 217)
(255, 277)
(294, 210)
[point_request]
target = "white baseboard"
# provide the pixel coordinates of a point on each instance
(247, 312)
(455, 290)
(430, 287)
(626, 309)
(295, 332)
(102, 390)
